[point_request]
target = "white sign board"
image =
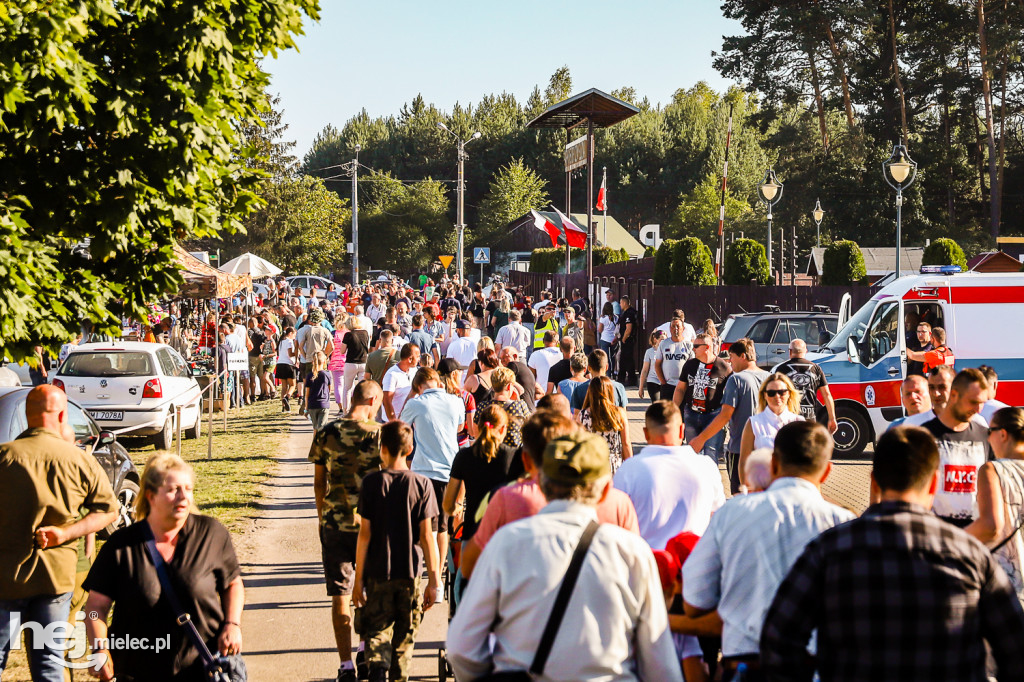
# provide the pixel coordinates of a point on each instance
(238, 362)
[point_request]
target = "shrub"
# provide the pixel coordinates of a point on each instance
(663, 263)
(691, 263)
(553, 260)
(944, 251)
(745, 260)
(649, 251)
(843, 264)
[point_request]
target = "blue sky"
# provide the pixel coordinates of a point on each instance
(379, 54)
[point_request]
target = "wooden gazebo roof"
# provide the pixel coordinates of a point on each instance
(595, 106)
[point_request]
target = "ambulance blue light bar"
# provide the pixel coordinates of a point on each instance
(940, 269)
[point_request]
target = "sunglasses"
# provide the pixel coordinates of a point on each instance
(774, 392)
(699, 345)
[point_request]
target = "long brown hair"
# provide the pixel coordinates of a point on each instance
(600, 398)
(492, 419)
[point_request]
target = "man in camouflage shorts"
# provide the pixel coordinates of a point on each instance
(345, 451)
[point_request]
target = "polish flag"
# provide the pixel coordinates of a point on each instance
(602, 204)
(545, 225)
(576, 237)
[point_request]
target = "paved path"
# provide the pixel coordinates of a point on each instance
(287, 621)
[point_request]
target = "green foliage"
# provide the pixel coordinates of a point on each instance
(663, 262)
(119, 124)
(402, 226)
(944, 251)
(745, 260)
(698, 210)
(649, 251)
(843, 263)
(691, 263)
(553, 260)
(514, 191)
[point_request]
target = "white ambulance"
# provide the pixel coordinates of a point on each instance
(866, 361)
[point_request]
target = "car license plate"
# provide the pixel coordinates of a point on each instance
(107, 415)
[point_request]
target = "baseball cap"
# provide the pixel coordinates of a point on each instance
(681, 545)
(576, 459)
(461, 324)
(668, 569)
(449, 365)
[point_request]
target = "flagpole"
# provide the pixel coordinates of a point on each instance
(604, 211)
(720, 260)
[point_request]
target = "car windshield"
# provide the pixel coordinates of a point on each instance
(109, 364)
(856, 326)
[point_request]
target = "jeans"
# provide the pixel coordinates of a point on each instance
(354, 372)
(338, 382)
(694, 424)
(606, 346)
(37, 613)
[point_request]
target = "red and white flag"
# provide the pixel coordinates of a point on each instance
(545, 225)
(602, 194)
(576, 237)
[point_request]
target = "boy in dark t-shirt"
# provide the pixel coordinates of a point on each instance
(396, 507)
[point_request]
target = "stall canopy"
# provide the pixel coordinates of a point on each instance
(205, 281)
(252, 265)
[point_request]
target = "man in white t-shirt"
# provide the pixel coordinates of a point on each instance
(543, 358)
(674, 489)
(463, 348)
(689, 333)
(672, 353)
(398, 380)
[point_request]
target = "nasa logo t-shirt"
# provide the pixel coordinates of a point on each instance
(961, 454)
(673, 354)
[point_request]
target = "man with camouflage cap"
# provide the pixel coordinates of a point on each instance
(345, 451)
(603, 634)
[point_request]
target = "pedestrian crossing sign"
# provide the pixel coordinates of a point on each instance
(445, 261)
(482, 254)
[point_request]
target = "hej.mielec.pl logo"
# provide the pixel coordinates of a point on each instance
(60, 636)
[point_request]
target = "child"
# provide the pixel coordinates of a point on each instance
(396, 507)
(684, 629)
(318, 391)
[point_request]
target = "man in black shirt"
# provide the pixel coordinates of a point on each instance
(699, 393)
(922, 343)
(809, 380)
(524, 376)
(629, 328)
(258, 338)
(560, 370)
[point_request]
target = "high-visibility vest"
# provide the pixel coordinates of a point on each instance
(943, 356)
(539, 329)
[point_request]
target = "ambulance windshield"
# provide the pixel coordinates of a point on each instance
(856, 326)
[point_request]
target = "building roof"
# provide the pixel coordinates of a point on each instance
(878, 261)
(618, 236)
(994, 261)
(592, 105)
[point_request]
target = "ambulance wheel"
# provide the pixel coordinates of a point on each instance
(853, 434)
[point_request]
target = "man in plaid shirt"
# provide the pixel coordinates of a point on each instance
(897, 594)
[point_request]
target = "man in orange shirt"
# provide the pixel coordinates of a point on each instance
(940, 354)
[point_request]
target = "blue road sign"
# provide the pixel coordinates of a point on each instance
(482, 254)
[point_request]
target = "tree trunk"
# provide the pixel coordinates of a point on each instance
(896, 74)
(990, 139)
(950, 184)
(818, 104)
(844, 82)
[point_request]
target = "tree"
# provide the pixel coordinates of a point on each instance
(119, 125)
(514, 191)
(944, 251)
(843, 263)
(746, 262)
(691, 263)
(663, 262)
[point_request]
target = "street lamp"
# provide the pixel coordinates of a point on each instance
(899, 171)
(769, 190)
(355, 218)
(818, 213)
(461, 190)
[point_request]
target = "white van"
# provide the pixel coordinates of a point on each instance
(866, 361)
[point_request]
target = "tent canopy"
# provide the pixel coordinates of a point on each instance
(205, 281)
(252, 265)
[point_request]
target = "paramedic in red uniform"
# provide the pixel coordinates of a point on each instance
(940, 354)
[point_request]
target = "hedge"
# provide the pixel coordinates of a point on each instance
(553, 260)
(944, 251)
(843, 263)
(691, 263)
(663, 263)
(745, 260)
(649, 251)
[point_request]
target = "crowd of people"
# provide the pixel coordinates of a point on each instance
(450, 422)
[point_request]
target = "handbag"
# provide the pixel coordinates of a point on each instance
(217, 668)
(547, 639)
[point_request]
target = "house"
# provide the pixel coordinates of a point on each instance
(878, 261)
(512, 251)
(1012, 246)
(994, 261)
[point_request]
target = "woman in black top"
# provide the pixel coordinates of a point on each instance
(203, 571)
(355, 345)
(481, 467)
(479, 384)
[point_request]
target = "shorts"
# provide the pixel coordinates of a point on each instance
(284, 371)
(439, 524)
(255, 365)
(305, 368)
(338, 551)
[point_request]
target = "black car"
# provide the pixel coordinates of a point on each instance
(113, 458)
(772, 330)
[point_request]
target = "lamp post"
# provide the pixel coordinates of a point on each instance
(461, 190)
(818, 213)
(899, 171)
(769, 190)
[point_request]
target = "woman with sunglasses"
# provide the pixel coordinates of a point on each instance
(1001, 496)
(778, 404)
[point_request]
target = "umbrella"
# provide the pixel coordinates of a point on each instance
(251, 264)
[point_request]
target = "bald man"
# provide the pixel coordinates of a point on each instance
(915, 398)
(44, 483)
(810, 380)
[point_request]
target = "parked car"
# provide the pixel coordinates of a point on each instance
(772, 330)
(133, 388)
(304, 282)
(111, 455)
(379, 276)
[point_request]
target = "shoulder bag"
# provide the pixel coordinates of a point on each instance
(547, 639)
(218, 668)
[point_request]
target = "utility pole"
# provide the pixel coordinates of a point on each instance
(461, 227)
(355, 218)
